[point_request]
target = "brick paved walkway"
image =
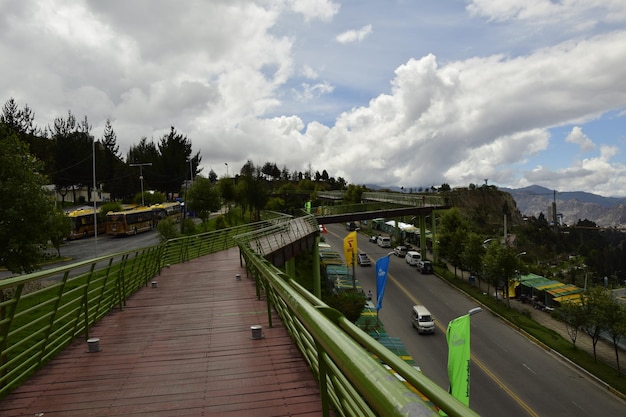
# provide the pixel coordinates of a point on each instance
(186, 347)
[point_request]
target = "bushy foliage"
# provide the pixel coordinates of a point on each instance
(349, 303)
(168, 229)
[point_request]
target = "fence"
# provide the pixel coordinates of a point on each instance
(41, 313)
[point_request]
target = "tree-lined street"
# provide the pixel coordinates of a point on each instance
(510, 375)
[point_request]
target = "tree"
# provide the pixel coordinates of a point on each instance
(615, 320)
(452, 233)
(595, 303)
(226, 187)
(59, 227)
(573, 315)
(24, 209)
(175, 162)
(501, 265)
(203, 198)
(112, 171)
(473, 253)
(20, 121)
(353, 194)
(73, 154)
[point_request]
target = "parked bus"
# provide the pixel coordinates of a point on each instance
(129, 222)
(82, 223)
(172, 211)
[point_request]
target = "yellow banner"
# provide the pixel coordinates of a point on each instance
(349, 248)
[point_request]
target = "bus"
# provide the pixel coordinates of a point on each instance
(82, 223)
(171, 210)
(129, 222)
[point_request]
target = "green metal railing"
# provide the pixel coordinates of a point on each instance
(341, 355)
(42, 313)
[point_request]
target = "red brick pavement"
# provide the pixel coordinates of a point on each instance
(184, 347)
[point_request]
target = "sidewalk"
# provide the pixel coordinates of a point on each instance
(604, 349)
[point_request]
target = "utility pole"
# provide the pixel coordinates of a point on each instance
(554, 216)
(141, 177)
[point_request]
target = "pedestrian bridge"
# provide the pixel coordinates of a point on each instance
(44, 312)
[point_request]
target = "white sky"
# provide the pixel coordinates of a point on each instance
(397, 92)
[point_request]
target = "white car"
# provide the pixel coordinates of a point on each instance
(412, 257)
(363, 260)
(400, 251)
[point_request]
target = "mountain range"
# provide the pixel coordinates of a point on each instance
(571, 206)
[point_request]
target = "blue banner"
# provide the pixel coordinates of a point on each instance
(382, 267)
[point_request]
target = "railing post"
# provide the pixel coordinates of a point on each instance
(86, 300)
(322, 375)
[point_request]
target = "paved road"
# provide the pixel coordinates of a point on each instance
(82, 249)
(510, 375)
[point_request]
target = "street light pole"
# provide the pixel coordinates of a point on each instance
(141, 177)
(95, 206)
(226, 163)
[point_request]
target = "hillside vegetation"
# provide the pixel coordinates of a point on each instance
(485, 207)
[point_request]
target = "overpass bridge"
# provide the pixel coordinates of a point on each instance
(339, 354)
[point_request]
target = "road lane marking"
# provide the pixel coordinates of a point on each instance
(474, 359)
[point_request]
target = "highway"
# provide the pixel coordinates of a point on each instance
(510, 375)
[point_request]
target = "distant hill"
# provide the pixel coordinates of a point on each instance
(573, 206)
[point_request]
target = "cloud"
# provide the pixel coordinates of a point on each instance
(315, 9)
(269, 81)
(354, 35)
(309, 92)
(473, 119)
(309, 72)
(580, 14)
(578, 137)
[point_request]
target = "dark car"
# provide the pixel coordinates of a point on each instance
(363, 260)
(373, 239)
(425, 267)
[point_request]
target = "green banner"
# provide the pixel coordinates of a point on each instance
(458, 337)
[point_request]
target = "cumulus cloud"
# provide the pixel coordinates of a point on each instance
(465, 120)
(579, 138)
(315, 9)
(354, 35)
(237, 78)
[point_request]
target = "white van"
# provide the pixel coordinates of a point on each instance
(412, 257)
(384, 241)
(422, 320)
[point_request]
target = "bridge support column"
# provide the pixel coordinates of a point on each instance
(317, 286)
(433, 233)
(423, 247)
(290, 268)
